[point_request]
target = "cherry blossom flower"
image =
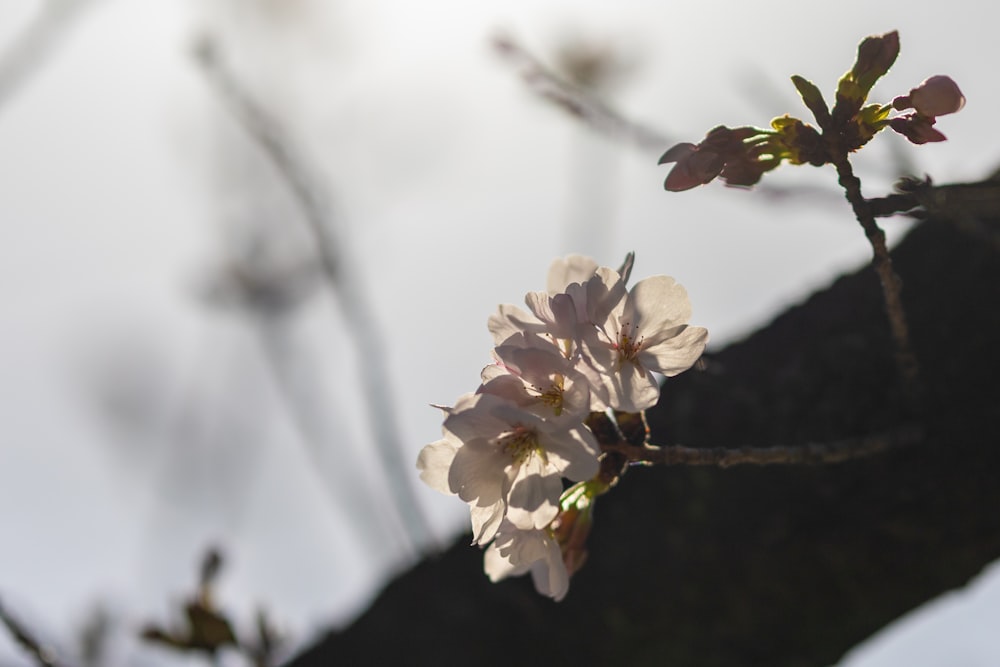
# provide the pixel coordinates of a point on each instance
(507, 462)
(516, 552)
(644, 333)
(585, 344)
(936, 96)
(539, 379)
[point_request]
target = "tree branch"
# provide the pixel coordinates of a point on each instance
(808, 454)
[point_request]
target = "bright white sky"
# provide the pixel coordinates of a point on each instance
(454, 186)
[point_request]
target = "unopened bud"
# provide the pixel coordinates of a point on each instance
(937, 96)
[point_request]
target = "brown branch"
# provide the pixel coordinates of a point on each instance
(576, 101)
(807, 454)
(906, 361)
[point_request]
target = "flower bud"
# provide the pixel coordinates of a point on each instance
(876, 54)
(937, 96)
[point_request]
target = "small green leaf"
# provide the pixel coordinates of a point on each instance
(813, 100)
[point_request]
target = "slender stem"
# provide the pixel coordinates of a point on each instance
(23, 636)
(808, 454)
(340, 275)
(891, 284)
(578, 102)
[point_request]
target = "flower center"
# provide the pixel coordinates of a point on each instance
(553, 395)
(628, 345)
(520, 443)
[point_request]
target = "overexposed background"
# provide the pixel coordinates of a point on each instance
(152, 404)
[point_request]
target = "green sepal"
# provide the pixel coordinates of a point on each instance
(813, 99)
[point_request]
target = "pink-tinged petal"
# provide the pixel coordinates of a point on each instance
(518, 551)
(510, 320)
(674, 354)
(497, 567)
(521, 547)
(568, 270)
(533, 501)
(573, 452)
(492, 372)
(476, 474)
(534, 364)
(656, 303)
(633, 389)
(550, 575)
(937, 96)
(557, 312)
(434, 462)
(508, 387)
(606, 293)
(472, 418)
(485, 521)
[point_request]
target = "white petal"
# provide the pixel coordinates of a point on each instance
(675, 354)
(557, 312)
(573, 452)
(549, 574)
(477, 472)
(633, 389)
(533, 500)
(497, 567)
(510, 320)
(485, 521)
(656, 303)
(571, 269)
(434, 461)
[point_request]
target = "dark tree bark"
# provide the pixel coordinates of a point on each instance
(780, 565)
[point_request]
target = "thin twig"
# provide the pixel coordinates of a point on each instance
(349, 479)
(576, 101)
(36, 41)
(375, 379)
(906, 361)
(807, 454)
(42, 654)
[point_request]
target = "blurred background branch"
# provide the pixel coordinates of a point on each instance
(25, 55)
(576, 99)
(43, 655)
(340, 276)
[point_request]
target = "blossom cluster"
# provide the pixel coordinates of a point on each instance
(586, 345)
(742, 155)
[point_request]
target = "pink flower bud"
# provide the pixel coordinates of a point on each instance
(936, 96)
